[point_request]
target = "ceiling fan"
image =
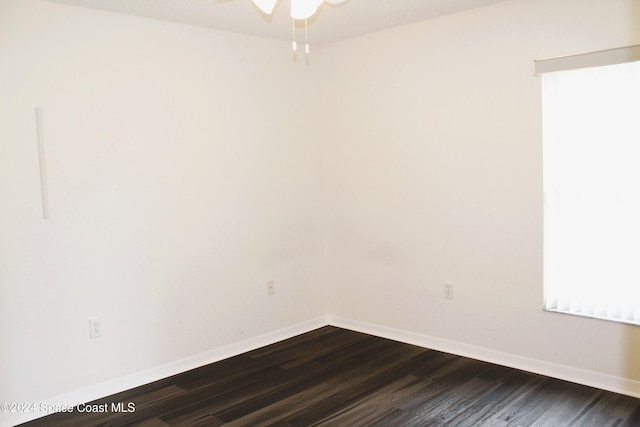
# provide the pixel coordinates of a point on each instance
(300, 10)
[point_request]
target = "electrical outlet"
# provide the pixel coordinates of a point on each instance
(271, 288)
(448, 291)
(95, 328)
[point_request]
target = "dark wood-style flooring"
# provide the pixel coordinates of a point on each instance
(337, 377)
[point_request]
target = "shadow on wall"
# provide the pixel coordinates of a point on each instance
(634, 16)
(632, 353)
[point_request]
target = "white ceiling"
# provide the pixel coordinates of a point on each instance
(332, 23)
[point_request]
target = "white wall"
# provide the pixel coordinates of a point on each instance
(180, 180)
(437, 179)
(187, 167)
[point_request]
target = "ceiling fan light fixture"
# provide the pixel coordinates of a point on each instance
(303, 9)
(300, 10)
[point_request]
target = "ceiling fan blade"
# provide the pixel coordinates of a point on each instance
(265, 5)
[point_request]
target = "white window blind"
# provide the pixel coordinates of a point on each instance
(591, 168)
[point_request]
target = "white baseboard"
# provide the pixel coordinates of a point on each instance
(88, 394)
(567, 373)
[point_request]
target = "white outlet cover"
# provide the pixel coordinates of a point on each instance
(95, 328)
(448, 291)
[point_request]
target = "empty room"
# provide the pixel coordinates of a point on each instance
(426, 214)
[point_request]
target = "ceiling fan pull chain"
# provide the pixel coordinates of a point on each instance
(294, 45)
(306, 37)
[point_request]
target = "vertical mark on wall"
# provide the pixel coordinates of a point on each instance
(43, 165)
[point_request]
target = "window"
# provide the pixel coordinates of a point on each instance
(591, 168)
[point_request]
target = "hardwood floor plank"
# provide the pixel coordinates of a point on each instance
(399, 418)
(510, 388)
(609, 408)
(279, 411)
(382, 368)
(152, 422)
(374, 406)
(337, 377)
(634, 418)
